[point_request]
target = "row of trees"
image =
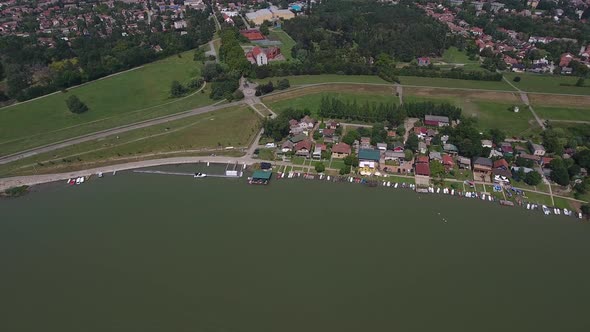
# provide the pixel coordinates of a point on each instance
(270, 87)
(332, 107)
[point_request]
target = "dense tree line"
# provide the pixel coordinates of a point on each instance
(33, 69)
(331, 107)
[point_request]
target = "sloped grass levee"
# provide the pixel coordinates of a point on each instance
(132, 96)
(548, 83)
(235, 126)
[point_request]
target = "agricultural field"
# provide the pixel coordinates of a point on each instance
(548, 83)
(232, 127)
(135, 95)
(287, 42)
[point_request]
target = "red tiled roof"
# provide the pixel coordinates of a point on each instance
(305, 144)
(252, 34)
(447, 160)
(423, 169)
(341, 148)
(422, 159)
(501, 163)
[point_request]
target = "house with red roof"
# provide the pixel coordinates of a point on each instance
(422, 169)
(303, 148)
(341, 150)
(448, 162)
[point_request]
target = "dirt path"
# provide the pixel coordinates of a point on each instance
(525, 99)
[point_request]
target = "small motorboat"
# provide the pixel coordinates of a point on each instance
(396, 184)
(200, 175)
(528, 206)
(100, 174)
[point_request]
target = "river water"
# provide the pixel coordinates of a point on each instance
(144, 252)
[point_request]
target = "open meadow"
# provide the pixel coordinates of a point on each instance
(232, 127)
(135, 95)
(546, 83)
(287, 42)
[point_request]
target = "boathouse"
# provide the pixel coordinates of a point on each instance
(260, 177)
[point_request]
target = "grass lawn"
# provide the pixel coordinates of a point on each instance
(228, 127)
(497, 115)
(328, 78)
(453, 56)
(453, 83)
(266, 154)
(562, 113)
(336, 163)
(537, 198)
(287, 42)
(548, 83)
(136, 95)
(312, 101)
(436, 100)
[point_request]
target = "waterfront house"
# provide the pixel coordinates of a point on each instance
(464, 162)
(436, 120)
(502, 168)
(381, 146)
(298, 138)
(448, 162)
(303, 148)
(398, 146)
(421, 166)
(486, 143)
(368, 161)
(390, 155)
(365, 142)
(341, 150)
(482, 169)
(287, 146)
(317, 151)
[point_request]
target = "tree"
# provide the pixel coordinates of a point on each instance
(580, 82)
(320, 167)
(177, 89)
(560, 176)
(351, 160)
(408, 154)
(497, 135)
(345, 170)
(264, 29)
(516, 79)
(583, 158)
(199, 55)
(574, 170)
(283, 84)
(237, 95)
(585, 209)
(75, 105)
(412, 142)
(532, 178)
(436, 168)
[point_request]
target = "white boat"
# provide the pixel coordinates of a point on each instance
(566, 212)
(384, 183)
(388, 183)
(82, 179)
(580, 215)
(438, 190)
(78, 181)
(328, 178)
(396, 184)
(490, 198)
(100, 174)
(200, 175)
(68, 182)
(483, 197)
(546, 210)
(528, 206)
(453, 192)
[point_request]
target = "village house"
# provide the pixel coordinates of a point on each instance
(537, 149)
(434, 155)
(397, 146)
(507, 150)
(366, 143)
(448, 162)
(536, 159)
(303, 148)
(398, 157)
(341, 151)
(422, 166)
(261, 56)
(422, 147)
(287, 146)
(464, 162)
(436, 121)
(482, 169)
(501, 168)
(451, 149)
(317, 151)
(368, 160)
(486, 143)
(381, 146)
(423, 61)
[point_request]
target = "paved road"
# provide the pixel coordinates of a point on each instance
(114, 131)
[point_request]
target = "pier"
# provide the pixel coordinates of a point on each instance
(183, 174)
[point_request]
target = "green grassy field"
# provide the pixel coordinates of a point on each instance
(312, 101)
(452, 83)
(497, 115)
(454, 56)
(562, 113)
(132, 96)
(234, 126)
(421, 99)
(548, 83)
(287, 42)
